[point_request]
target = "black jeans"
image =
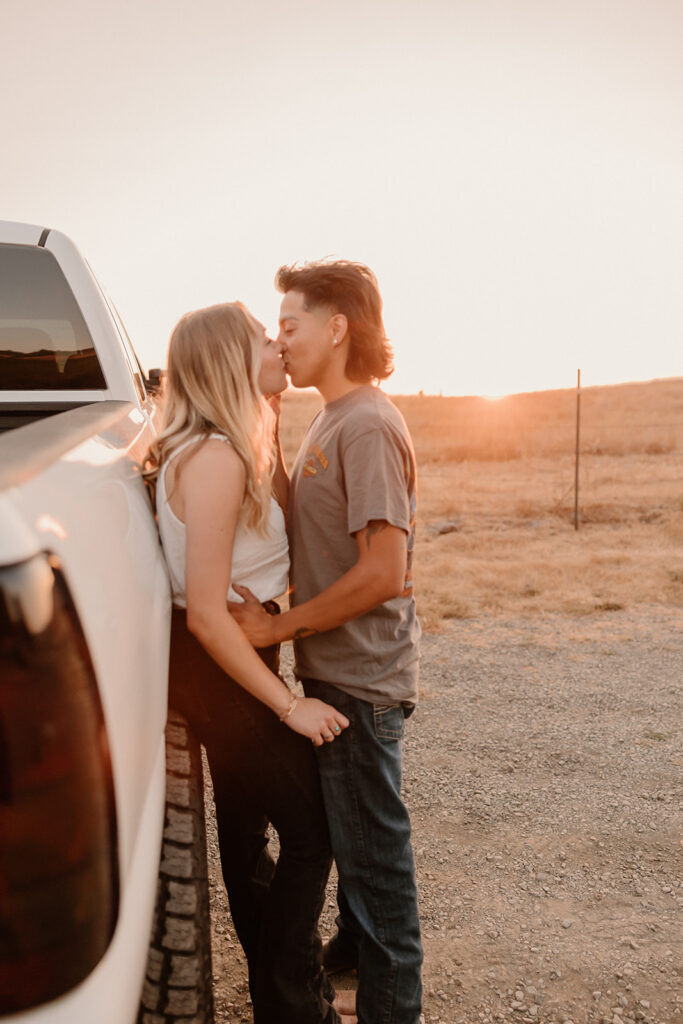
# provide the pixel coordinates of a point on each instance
(262, 772)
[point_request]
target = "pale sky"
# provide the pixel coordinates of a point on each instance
(511, 169)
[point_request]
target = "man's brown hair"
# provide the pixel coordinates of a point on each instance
(351, 289)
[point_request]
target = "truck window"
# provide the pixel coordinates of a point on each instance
(44, 342)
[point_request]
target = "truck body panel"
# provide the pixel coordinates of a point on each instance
(71, 488)
(90, 508)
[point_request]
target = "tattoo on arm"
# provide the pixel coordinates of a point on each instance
(373, 528)
(304, 631)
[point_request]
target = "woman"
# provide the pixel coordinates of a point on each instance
(211, 467)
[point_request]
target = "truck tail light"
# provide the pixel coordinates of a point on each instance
(58, 850)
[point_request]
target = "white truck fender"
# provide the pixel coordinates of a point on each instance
(18, 543)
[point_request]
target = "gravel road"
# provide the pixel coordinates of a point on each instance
(542, 771)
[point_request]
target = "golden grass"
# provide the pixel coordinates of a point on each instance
(496, 499)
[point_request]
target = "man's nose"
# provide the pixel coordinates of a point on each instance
(280, 342)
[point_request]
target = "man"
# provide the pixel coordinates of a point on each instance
(351, 524)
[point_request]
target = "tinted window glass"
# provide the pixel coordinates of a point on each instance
(44, 342)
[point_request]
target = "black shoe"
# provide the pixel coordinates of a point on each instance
(340, 954)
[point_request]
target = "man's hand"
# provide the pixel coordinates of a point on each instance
(252, 618)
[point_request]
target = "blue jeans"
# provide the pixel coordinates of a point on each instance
(370, 832)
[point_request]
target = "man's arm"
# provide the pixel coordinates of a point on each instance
(378, 575)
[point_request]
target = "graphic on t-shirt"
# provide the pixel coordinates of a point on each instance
(316, 452)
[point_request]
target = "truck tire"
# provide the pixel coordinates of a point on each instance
(178, 980)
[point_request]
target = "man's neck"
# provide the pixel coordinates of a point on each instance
(335, 385)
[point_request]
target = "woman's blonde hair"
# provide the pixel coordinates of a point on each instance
(212, 387)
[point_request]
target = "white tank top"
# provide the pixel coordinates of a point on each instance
(258, 562)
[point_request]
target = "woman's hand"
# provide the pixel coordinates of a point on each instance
(316, 720)
(252, 618)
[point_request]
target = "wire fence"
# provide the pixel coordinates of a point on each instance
(586, 457)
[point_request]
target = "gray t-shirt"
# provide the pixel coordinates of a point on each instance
(356, 463)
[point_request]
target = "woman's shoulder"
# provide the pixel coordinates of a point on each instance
(210, 454)
(191, 445)
(216, 448)
(212, 442)
(216, 472)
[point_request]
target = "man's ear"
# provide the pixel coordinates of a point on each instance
(340, 326)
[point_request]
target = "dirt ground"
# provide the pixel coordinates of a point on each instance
(542, 771)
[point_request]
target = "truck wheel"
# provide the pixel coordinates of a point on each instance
(178, 980)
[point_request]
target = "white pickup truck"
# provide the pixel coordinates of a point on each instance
(100, 818)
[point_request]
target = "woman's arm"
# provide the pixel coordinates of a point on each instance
(212, 484)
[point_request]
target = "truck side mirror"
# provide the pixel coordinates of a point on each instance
(155, 380)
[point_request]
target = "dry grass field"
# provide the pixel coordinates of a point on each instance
(542, 764)
(496, 499)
